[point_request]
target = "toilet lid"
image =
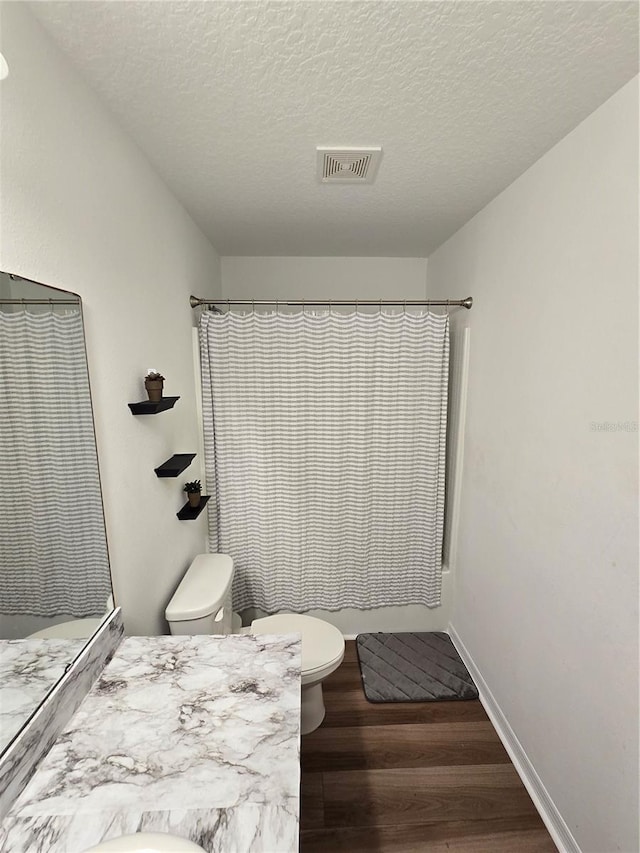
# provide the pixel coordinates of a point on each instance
(74, 630)
(322, 643)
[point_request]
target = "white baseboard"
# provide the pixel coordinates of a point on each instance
(558, 829)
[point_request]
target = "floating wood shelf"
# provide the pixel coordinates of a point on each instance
(187, 513)
(176, 465)
(146, 407)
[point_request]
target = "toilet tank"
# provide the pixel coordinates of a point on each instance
(202, 602)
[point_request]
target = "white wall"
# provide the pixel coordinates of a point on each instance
(547, 572)
(83, 210)
(342, 278)
(324, 278)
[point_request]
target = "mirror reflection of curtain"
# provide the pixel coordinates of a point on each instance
(53, 555)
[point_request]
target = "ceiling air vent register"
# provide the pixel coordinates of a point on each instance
(348, 165)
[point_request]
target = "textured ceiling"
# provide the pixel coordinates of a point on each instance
(229, 100)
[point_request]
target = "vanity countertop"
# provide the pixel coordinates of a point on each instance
(196, 736)
(28, 670)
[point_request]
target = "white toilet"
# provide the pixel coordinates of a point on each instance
(75, 629)
(202, 605)
(202, 602)
(322, 654)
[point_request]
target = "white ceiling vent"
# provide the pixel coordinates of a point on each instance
(348, 165)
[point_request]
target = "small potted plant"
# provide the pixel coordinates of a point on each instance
(154, 382)
(193, 492)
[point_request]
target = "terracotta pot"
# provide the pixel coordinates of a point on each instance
(154, 389)
(194, 498)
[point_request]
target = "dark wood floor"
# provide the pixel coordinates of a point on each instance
(410, 778)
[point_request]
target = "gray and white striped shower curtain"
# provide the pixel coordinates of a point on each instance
(53, 552)
(325, 454)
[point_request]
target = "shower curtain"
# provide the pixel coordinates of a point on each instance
(53, 553)
(325, 453)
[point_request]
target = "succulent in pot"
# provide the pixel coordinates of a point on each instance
(154, 382)
(193, 490)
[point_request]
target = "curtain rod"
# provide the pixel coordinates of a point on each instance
(194, 301)
(40, 302)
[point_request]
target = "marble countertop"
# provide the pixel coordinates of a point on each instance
(198, 736)
(28, 670)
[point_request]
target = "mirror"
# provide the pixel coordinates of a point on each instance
(55, 584)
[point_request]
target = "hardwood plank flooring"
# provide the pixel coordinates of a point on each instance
(411, 745)
(486, 836)
(410, 778)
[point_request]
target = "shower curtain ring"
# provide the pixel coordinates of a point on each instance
(380, 307)
(356, 307)
(404, 308)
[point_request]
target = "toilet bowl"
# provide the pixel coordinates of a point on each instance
(202, 605)
(74, 629)
(322, 654)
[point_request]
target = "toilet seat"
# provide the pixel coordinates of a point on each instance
(322, 643)
(76, 629)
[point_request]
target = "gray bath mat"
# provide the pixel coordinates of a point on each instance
(415, 667)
